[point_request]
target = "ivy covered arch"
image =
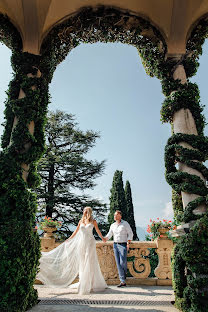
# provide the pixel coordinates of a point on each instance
(23, 145)
(104, 24)
(187, 146)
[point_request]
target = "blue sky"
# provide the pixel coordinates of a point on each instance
(105, 86)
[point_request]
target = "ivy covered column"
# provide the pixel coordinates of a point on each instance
(23, 145)
(188, 149)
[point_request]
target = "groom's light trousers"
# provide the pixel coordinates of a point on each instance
(120, 252)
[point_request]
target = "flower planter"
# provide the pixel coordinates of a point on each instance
(48, 232)
(164, 232)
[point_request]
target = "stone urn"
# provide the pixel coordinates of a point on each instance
(48, 231)
(164, 232)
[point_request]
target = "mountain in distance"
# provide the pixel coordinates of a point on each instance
(141, 232)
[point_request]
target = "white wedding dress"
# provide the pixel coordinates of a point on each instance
(77, 256)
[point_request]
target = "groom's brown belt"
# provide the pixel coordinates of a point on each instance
(120, 243)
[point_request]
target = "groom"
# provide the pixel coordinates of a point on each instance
(122, 234)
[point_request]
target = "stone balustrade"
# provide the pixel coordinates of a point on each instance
(138, 262)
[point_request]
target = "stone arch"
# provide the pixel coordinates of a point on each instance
(122, 11)
(104, 24)
(9, 34)
(199, 22)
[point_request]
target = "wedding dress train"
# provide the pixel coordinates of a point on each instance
(77, 256)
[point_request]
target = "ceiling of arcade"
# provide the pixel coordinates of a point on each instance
(174, 18)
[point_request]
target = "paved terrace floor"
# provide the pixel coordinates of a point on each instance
(113, 299)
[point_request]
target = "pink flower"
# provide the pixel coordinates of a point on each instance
(36, 227)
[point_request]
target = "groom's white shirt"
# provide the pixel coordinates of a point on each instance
(121, 232)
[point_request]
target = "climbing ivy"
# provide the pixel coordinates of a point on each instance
(104, 24)
(190, 272)
(19, 244)
(190, 275)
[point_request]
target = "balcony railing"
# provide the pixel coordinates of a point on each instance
(139, 266)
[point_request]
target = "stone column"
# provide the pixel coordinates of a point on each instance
(31, 125)
(25, 111)
(183, 122)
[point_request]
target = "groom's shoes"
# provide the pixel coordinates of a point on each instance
(121, 285)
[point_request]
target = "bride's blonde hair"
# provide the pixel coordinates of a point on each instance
(88, 217)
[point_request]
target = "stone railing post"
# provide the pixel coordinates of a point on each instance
(164, 248)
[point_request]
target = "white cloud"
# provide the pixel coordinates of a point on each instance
(168, 210)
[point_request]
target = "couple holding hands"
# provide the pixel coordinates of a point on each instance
(77, 256)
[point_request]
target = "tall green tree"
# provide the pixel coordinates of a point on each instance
(130, 209)
(66, 173)
(117, 197)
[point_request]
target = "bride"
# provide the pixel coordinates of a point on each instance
(76, 256)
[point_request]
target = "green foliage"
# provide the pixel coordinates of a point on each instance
(177, 205)
(195, 248)
(153, 257)
(190, 272)
(66, 173)
(117, 197)
(182, 181)
(190, 253)
(105, 24)
(154, 260)
(20, 246)
(179, 277)
(187, 97)
(130, 209)
(9, 34)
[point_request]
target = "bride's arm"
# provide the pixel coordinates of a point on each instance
(75, 232)
(98, 231)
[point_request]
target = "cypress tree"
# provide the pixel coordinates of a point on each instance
(130, 209)
(117, 197)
